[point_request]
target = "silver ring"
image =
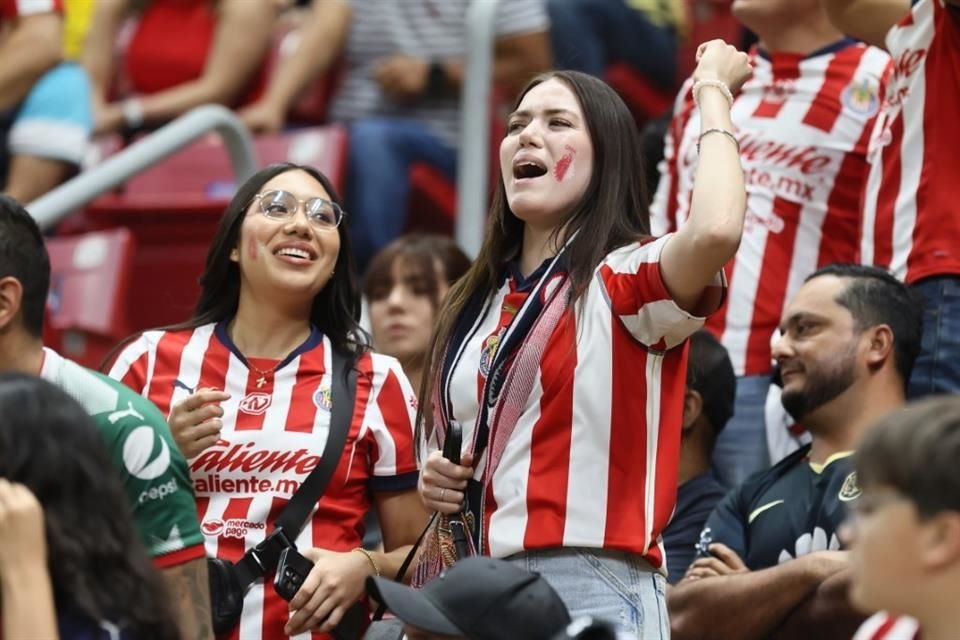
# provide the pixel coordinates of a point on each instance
(443, 492)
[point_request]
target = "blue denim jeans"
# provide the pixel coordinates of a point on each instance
(741, 448)
(608, 585)
(937, 369)
(588, 35)
(381, 153)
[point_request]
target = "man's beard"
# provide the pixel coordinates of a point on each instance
(821, 386)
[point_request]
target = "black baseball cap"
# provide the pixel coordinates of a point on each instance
(710, 373)
(479, 598)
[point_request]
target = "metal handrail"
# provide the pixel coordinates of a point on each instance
(52, 207)
(475, 126)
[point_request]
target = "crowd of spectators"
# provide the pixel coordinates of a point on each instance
(709, 417)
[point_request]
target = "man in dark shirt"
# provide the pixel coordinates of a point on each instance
(707, 405)
(771, 564)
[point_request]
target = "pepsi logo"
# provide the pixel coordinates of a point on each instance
(255, 403)
(212, 527)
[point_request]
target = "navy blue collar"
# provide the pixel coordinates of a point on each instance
(312, 341)
(839, 45)
(529, 282)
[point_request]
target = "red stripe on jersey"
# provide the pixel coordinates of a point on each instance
(136, 375)
(674, 368)
(785, 69)
(393, 407)
(550, 443)
(840, 234)
(628, 292)
(216, 360)
(825, 108)
(177, 558)
(230, 548)
(303, 399)
(774, 273)
(167, 360)
(626, 493)
(886, 200)
(937, 232)
(260, 369)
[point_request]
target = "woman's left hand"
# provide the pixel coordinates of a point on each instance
(336, 581)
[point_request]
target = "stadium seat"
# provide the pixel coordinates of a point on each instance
(86, 312)
(172, 210)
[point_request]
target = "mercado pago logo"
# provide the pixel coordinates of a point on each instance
(230, 528)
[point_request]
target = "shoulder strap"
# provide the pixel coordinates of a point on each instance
(343, 393)
(264, 557)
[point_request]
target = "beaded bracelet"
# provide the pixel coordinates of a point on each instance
(719, 84)
(373, 563)
(718, 130)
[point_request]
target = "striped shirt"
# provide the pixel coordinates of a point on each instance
(272, 437)
(803, 124)
(882, 626)
(911, 217)
(427, 29)
(592, 459)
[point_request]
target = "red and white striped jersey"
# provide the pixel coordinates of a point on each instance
(910, 218)
(592, 460)
(882, 626)
(272, 437)
(803, 124)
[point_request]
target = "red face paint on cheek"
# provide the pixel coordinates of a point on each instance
(563, 165)
(251, 248)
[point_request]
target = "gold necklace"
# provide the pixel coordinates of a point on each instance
(262, 380)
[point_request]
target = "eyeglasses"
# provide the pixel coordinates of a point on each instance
(280, 205)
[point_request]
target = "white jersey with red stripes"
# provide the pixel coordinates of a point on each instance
(803, 124)
(592, 459)
(911, 216)
(273, 436)
(882, 626)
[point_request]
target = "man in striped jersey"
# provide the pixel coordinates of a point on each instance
(910, 217)
(151, 469)
(904, 534)
(803, 122)
(403, 66)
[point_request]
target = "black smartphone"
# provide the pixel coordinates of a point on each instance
(453, 443)
(292, 570)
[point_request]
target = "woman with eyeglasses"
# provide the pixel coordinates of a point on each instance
(247, 386)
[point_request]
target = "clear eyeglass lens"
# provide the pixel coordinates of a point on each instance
(281, 204)
(322, 212)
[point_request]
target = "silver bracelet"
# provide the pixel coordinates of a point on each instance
(718, 130)
(719, 84)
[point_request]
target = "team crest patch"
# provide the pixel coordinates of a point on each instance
(322, 398)
(489, 351)
(861, 98)
(850, 489)
(255, 403)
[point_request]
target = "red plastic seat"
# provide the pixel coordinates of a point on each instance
(172, 210)
(90, 281)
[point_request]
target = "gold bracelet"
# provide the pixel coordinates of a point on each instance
(373, 563)
(718, 130)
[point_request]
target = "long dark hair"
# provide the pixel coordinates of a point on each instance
(97, 564)
(335, 310)
(614, 204)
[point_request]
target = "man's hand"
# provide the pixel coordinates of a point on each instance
(403, 77)
(723, 562)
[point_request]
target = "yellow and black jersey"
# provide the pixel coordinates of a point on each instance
(789, 510)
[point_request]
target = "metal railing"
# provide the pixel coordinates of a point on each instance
(52, 207)
(472, 178)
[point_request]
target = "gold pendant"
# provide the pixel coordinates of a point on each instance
(262, 380)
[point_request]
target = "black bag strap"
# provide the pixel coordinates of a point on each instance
(263, 558)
